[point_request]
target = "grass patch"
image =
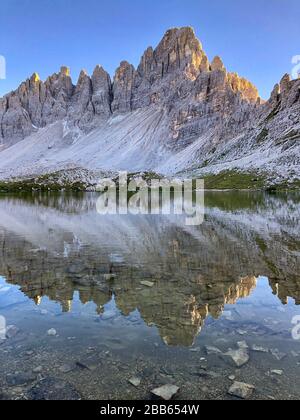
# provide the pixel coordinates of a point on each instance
(233, 180)
(50, 182)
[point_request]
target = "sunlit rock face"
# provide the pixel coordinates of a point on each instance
(58, 245)
(175, 113)
(165, 76)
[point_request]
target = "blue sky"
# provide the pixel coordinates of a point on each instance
(255, 38)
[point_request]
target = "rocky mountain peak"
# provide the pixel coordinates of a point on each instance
(217, 64)
(122, 87)
(35, 78)
(65, 71)
(175, 79)
(102, 92)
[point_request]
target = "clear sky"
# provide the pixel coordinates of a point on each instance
(256, 38)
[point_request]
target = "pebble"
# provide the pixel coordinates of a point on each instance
(53, 389)
(242, 345)
(209, 374)
(239, 357)
(147, 283)
(259, 349)
(277, 372)
(241, 390)
(22, 378)
(108, 277)
(11, 331)
(212, 350)
(135, 381)
(66, 368)
(166, 392)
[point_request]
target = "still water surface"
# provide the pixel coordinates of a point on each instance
(98, 300)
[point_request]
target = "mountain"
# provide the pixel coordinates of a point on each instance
(177, 113)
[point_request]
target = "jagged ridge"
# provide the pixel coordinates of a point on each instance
(207, 119)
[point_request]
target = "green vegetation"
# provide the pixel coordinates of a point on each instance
(226, 180)
(233, 180)
(49, 182)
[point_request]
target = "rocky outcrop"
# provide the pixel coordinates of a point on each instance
(102, 92)
(177, 74)
(122, 88)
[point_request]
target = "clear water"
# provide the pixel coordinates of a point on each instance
(234, 279)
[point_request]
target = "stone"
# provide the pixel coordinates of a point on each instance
(38, 369)
(147, 283)
(136, 382)
(195, 350)
(242, 345)
(66, 368)
(52, 332)
(238, 357)
(11, 331)
(108, 277)
(91, 363)
(241, 390)
(53, 389)
(277, 372)
(278, 355)
(166, 392)
(259, 349)
(18, 379)
(242, 332)
(208, 374)
(212, 350)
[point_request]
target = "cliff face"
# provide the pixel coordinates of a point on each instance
(197, 98)
(176, 70)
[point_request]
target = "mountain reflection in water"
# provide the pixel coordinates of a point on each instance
(174, 275)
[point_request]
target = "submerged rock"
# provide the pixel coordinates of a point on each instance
(278, 355)
(52, 389)
(12, 331)
(277, 372)
(238, 357)
(147, 283)
(241, 390)
(135, 381)
(66, 368)
(166, 392)
(18, 379)
(259, 349)
(212, 350)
